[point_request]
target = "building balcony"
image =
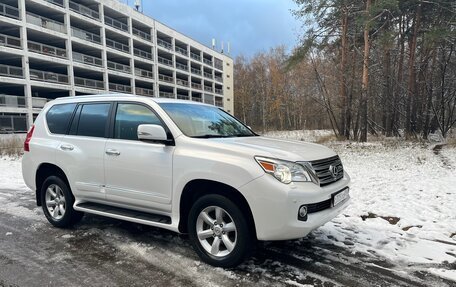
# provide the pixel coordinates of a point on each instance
(164, 44)
(12, 101)
(39, 103)
(46, 49)
(208, 89)
(218, 66)
(119, 88)
(142, 54)
(196, 71)
(181, 82)
(195, 56)
(45, 23)
(207, 62)
(57, 2)
(219, 79)
(219, 91)
(197, 99)
(165, 61)
(115, 23)
(84, 10)
(165, 78)
(11, 71)
(208, 75)
(10, 41)
(182, 67)
(144, 73)
(144, 92)
(197, 86)
(119, 67)
(51, 77)
(181, 51)
(219, 102)
(85, 35)
(86, 59)
(9, 11)
(166, 95)
(117, 45)
(141, 34)
(88, 83)
(183, 97)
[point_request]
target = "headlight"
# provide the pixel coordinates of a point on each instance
(287, 171)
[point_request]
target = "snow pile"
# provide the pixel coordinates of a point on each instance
(11, 174)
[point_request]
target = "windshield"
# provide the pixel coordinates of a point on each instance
(199, 121)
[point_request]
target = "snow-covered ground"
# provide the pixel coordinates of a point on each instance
(403, 209)
(403, 200)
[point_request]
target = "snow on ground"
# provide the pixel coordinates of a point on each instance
(11, 174)
(402, 209)
(403, 200)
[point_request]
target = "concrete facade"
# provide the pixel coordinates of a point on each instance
(58, 48)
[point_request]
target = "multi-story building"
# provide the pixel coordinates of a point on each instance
(58, 48)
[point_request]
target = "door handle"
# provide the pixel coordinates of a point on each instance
(112, 152)
(66, 147)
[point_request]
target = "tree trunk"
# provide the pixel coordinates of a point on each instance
(344, 128)
(410, 126)
(365, 78)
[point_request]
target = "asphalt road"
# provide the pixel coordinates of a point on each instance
(107, 252)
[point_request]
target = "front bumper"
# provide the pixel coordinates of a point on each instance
(275, 205)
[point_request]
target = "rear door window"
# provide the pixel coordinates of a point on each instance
(93, 120)
(58, 118)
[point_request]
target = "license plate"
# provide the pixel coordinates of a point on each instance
(340, 197)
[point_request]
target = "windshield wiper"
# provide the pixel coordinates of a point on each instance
(208, 136)
(245, 135)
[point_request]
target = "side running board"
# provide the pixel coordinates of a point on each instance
(122, 213)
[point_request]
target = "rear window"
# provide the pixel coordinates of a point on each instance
(58, 117)
(93, 120)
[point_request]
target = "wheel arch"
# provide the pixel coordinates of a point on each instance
(44, 171)
(197, 188)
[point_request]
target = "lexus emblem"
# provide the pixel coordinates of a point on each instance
(334, 170)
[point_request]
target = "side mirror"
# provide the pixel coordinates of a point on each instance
(153, 133)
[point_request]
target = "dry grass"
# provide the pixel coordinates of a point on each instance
(327, 139)
(11, 146)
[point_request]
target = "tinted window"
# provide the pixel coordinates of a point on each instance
(93, 120)
(129, 117)
(58, 118)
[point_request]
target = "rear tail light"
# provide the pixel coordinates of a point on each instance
(28, 138)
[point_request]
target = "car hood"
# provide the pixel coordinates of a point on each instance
(277, 148)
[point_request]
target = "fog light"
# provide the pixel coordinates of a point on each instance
(303, 211)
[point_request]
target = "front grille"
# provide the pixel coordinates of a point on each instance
(319, 206)
(323, 169)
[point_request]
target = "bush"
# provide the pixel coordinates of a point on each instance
(11, 146)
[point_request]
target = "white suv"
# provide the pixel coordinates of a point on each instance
(180, 165)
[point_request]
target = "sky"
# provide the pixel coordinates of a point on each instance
(251, 26)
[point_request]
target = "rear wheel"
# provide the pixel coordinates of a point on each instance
(219, 231)
(58, 203)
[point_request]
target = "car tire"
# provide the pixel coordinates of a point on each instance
(58, 203)
(219, 231)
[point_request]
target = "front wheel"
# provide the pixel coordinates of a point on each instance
(219, 231)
